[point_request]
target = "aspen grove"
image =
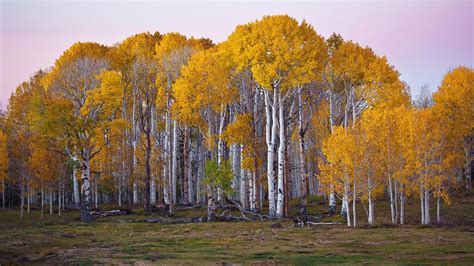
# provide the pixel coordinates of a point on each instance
(271, 117)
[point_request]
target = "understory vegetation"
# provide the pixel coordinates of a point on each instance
(129, 239)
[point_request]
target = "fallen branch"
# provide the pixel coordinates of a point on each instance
(311, 224)
(97, 214)
(317, 224)
(176, 221)
(244, 211)
(189, 207)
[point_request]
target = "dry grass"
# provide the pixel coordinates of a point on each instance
(127, 239)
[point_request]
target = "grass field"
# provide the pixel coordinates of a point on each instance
(128, 239)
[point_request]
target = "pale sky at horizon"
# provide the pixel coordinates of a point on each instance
(422, 39)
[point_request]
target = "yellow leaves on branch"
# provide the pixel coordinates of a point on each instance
(77, 51)
(107, 98)
(279, 50)
(203, 86)
(240, 131)
(454, 102)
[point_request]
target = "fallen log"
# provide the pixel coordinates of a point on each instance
(198, 206)
(313, 224)
(176, 221)
(229, 218)
(201, 219)
(317, 224)
(97, 214)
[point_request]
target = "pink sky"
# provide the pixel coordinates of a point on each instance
(422, 39)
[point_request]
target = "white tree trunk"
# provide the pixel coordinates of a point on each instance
(371, 208)
(28, 197)
(134, 145)
(175, 161)
(220, 154)
(166, 152)
(211, 205)
(152, 190)
(332, 196)
(85, 187)
(392, 200)
(402, 205)
(281, 158)
(332, 200)
(251, 193)
(135, 183)
(270, 139)
(77, 196)
(244, 186)
(346, 200)
(50, 203)
(438, 207)
(354, 198)
(344, 207)
(301, 133)
(59, 199)
(422, 205)
(427, 206)
(200, 171)
(190, 174)
(120, 187)
(135, 192)
(468, 157)
(235, 150)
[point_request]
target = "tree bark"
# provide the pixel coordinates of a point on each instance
(148, 169)
(59, 198)
(422, 205)
(28, 196)
(402, 205)
(50, 202)
(392, 200)
(438, 207)
(190, 173)
(175, 164)
(77, 196)
(220, 154)
(287, 176)
(166, 157)
(270, 139)
(235, 151)
(251, 192)
(332, 195)
(85, 187)
(354, 198)
(281, 158)
(200, 170)
(468, 152)
(427, 206)
(186, 156)
(211, 205)
(303, 174)
(371, 204)
(22, 197)
(346, 200)
(244, 186)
